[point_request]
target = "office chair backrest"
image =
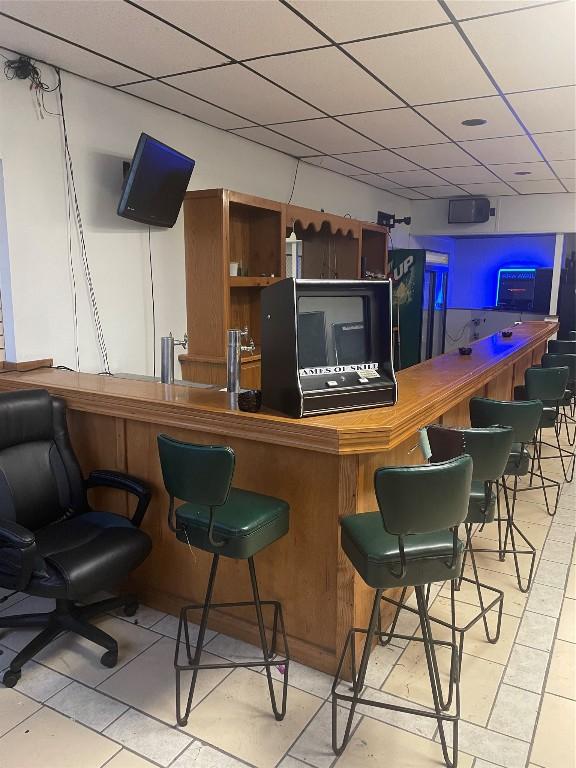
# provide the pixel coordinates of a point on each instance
(40, 479)
(199, 474)
(547, 384)
(560, 360)
(522, 415)
(424, 498)
(562, 346)
(489, 447)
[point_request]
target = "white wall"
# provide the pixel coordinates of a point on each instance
(103, 127)
(514, 214)
(461, 331)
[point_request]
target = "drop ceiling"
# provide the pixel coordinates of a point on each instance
(376, 90)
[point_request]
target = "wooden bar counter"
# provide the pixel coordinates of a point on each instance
(323, 466)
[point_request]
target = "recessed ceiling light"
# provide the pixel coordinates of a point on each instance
(474, 121)
(522, 173)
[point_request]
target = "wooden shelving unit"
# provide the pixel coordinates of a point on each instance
(222, 227)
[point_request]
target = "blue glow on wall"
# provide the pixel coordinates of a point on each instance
(474, 268)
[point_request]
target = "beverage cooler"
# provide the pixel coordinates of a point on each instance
(420, 284)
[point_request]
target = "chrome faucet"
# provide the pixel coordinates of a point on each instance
(167, 344)
(234, 351)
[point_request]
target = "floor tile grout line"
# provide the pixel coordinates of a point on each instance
(546, 674)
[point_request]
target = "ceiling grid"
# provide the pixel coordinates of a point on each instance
(375, 90)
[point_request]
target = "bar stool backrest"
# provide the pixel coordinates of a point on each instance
(547, 384)
(562, 346)
(522, 415)
(571, 335)
(198, 474)
(489, 448)
(558, 360)
(424, 498)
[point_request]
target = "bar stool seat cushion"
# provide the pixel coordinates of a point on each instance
(375, 555)
(548, 418)
(246, 523)
(477, 510)
(519, 461)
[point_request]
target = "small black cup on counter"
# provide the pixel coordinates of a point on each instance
(506, 334)
(250, 400)
(465, 350)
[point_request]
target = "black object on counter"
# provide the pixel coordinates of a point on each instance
(250, 400)
(465, 350)
(506, 334)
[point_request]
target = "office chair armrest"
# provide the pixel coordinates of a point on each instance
(110, 478)
(17, 537)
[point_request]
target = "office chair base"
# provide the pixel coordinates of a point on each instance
(67, 616)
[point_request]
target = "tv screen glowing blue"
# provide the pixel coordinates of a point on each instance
(155, 185)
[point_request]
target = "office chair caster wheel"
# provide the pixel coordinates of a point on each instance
(109, 659)
(11, 678)
(131, 608)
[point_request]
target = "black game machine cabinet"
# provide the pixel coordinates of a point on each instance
(327, 346)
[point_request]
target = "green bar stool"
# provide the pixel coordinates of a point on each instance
(549, 384)
(490, 449)
(568, 404)
(562, 346)
(411, 541)
(524, 418)
(228, 522)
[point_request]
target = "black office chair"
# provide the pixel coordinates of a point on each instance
(52, 544)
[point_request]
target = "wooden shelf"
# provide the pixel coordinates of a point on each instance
(252, 282)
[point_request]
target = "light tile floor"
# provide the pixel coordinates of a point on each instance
(518, 697)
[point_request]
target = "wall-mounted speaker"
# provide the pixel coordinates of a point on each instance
(469, 210)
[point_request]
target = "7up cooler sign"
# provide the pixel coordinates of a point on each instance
(406, 270)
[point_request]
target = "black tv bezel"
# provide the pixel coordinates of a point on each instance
(129, 180)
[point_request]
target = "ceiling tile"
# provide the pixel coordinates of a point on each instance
(446, 190)
(240, 29)
(329, 136)
(465, 9)
(552, 110)
(471, 174)
(532, 49)
(437, 155)
(273, 140)
(394, 127)
(366, 18)
(448, 116)
(17, 37)
(490, 189)
(166, 96)
(379, 161)
(410, 194)
(426, 66)
(510, 171)
(314, 74)
(376, 181)
(537, 187)
(109, 27)
(515, 149)
(419, 178)
(570, 184)
(557, 146)
(566, 169)
(236, 88)
(332, 164)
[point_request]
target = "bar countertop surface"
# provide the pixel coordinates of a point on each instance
(424, 392)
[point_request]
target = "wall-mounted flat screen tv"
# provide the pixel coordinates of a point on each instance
(155, 185)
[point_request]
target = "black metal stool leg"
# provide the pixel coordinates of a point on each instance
(390, 632)
(278, 714)
(199, 644)
(479, 585)
(510, 528)
(435, 683)
(359, 681)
